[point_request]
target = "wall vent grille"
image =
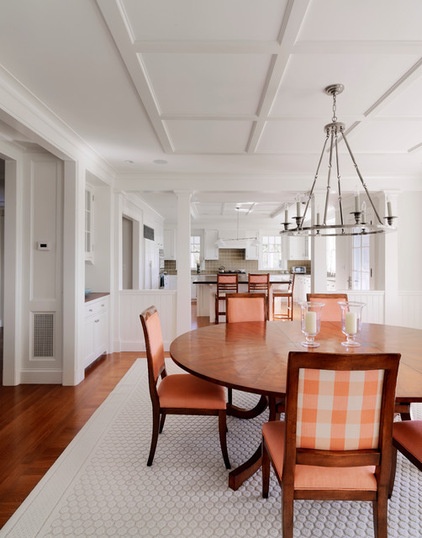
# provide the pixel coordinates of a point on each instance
(44, 335)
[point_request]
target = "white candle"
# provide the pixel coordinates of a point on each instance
(357, 204)
(297, 209)
(351, 323)
(286, 216)
(311, 322)
(389, 211)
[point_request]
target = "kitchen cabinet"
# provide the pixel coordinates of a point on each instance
(299, 248)
(169, 244)
(193, 287)
(301, 288)
(210, 244)
(252, 247)
(96, 329)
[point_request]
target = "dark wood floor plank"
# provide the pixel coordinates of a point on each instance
(37, 422)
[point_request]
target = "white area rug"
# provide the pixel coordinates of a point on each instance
(101, 486)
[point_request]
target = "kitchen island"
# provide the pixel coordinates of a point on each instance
(207, 287)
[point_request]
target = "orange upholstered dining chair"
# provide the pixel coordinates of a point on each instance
(226, 284)
(336, 440)
(178, 394)
(246, 307)
(331, 310)
(407, 438)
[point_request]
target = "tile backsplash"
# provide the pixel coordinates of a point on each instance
(233, 258)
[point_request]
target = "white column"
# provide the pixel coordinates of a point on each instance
(12, 328)
(73, 273)
(183, 262)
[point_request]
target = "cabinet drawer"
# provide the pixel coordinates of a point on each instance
(95, 307)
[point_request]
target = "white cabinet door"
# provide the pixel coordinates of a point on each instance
(193, 288)
(210, 245)
(96, 329)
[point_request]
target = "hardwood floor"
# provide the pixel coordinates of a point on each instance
(37, 422)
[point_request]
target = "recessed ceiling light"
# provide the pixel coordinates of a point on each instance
(160, 161)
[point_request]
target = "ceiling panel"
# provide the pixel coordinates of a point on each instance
(208, 84)
(236, 20)
(360, 20)
(209, 136)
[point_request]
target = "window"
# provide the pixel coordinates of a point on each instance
(361, 270)
(271, 252)
(195, 251)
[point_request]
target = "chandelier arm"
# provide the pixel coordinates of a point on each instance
(361, 178)
(340, 197)
(330, 165)
(314, 182)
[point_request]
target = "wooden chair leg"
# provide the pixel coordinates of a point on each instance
(222, 428)
(265, 472)
(154, 437)
(288, 512)
(379, 508)
(393, 472)
(163, 419)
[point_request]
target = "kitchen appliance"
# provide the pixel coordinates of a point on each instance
(299, 269)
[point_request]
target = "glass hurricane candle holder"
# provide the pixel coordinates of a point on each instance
(351, 320)
(310, 322)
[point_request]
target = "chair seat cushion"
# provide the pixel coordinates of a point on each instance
(312, 477)
(408, 434)
(190, 392)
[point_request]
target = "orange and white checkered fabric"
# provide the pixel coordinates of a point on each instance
(339, 410)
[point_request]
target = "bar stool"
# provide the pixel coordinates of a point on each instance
(226, 283)
(260, 283)
(285, 294)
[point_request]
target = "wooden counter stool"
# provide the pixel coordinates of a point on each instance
(285, 294)
(226, 283)
(260, 283)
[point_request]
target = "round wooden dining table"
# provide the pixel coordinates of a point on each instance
(253, 357)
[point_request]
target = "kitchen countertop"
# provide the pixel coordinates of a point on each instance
(95, 295)
(243, 279)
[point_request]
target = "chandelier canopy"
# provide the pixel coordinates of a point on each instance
(359, 224)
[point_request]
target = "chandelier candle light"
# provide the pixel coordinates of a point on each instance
(358, 226)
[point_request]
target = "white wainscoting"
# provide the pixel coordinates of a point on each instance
(373, 312)
(410, 309)
(132, 303)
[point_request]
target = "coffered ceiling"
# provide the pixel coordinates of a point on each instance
(225, 98)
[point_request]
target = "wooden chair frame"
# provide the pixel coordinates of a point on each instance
(287, 294)
(260, 283)
(202, 390)
(226, 284)
(380, 457)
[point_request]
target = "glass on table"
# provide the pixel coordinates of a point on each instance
(310, 319)
(351, 321)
